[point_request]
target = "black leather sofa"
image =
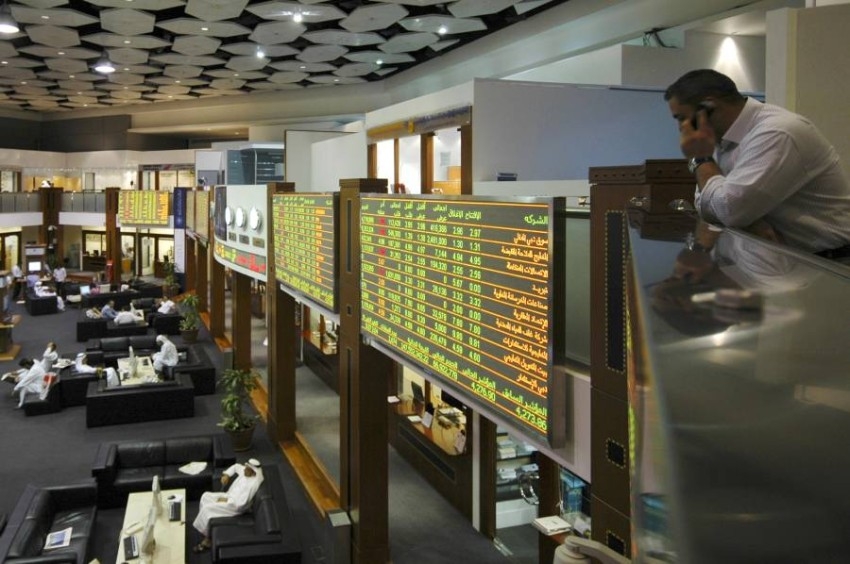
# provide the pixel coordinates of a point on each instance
(129, 466)
(265, 534)
(162, 323)
(73, 386)
(40, 305)
(107, 350)
(90, 328)
(140, 402)
(121, 299)
(196, 363)
(40, 511)
(34, 405)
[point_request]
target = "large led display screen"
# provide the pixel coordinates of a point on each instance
(306, 239)
(202, 214)
(464, 288)
(143, 207)
(190, 210)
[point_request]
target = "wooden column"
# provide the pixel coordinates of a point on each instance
(202, 269)
(51, 232)
(216, 299)
(649, 187)
(466, 159)
(363, 397)
(487, 476)
(549, 494)
(426, 166)
(113, 234)
(283, 338)
(241, 320)
(190, 259)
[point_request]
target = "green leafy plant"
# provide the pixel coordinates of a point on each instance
(189, 308)
(170, 277)
(237, 385)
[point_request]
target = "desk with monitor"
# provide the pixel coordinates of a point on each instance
(169, 536)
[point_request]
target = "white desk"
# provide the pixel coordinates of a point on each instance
(144, 370)
(170, 535)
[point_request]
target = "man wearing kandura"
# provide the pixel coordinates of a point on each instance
(760, 167)
(244, 481)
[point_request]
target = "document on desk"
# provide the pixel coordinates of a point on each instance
(392, 399)
(414, 419)
(193, 468)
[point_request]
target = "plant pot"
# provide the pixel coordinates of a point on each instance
(189, 335)
(241, 439)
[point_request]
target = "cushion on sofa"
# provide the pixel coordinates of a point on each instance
(136, 479)
(142, 342)
(183, 450)
(112, 344)
(140, 454)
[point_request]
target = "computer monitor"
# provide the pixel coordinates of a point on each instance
(449, 399)
(156, 490)
(34, 266)
(105, 288)
(418, 394)
(85, 290)
(147, 545)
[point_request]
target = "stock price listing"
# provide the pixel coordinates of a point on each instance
(304, 244)
(462, 288)
(143, 207)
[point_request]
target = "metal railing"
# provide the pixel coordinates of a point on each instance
(11, 202)
(94, 202)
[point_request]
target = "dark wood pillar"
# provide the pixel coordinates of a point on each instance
(113, 234)
(426, 169)
(548, 492)
(466, 159)
(487, 476)
(216, 299)
(202, 258)
(51, 232)
(190, 260)
(363, 397)
(283, 337)
(241, 320)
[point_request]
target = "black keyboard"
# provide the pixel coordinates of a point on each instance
(174, 511)
(131, 548)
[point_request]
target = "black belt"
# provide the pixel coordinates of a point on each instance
(835, 254)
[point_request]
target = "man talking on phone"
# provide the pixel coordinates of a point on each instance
(760, 167)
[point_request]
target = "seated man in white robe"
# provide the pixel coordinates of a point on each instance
(81, 366)
(127, 317)
(31, 382)
(166, 306)
(167, 355)
(246, 479)
(50, 356)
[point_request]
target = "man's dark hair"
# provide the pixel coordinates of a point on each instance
(694, 86)
(26, 363)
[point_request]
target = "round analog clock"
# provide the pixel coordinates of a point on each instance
(228, 215)
(255, 220)
(240, 217)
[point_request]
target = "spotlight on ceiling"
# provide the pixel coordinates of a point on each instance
(8, 24)
(104, 66)
(260, 53)
(297, 18)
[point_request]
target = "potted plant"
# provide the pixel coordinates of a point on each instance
(235, 418)
(170, 287)
(191, 321)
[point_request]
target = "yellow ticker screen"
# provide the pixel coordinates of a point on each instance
(462, 287)
(202, 214)
(305, 242)
(143, 207)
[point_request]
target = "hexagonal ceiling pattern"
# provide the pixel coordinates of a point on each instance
(183, 49)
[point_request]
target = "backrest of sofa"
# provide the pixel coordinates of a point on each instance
(112, 344)
(140, 454)
(142, 342)
(32, 532)
(266, 520)
(188, 449)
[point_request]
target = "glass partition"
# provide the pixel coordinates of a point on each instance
(738, 396)
(446, 165)
(409, 163)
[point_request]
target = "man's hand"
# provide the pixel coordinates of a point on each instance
(222, 499)
(697, 142)
(225, 479)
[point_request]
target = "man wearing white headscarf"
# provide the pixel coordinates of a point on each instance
(81, 366)
(167, 355)
(50, 356)
(244, 480)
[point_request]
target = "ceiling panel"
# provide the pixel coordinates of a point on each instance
(228, 47)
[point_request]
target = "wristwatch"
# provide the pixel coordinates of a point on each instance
(695, 162)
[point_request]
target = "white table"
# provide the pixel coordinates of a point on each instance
(170, 535)
(144, 370)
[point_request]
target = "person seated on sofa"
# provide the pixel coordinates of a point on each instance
(244, 481)
(167, 355)
(31, 382)
(166, 306)
(127, 317)
(81, 366)
(49, 357)
(108, 311)
(43, 291)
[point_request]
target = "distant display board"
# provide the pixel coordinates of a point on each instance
(462, 287)
(202, 214)
(190, 210)
(143, 207)
(306, 239)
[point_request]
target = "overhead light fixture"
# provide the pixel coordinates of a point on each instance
(104, 66)
(297, 17)
(260, 53)
(442, 30)
(8, 24)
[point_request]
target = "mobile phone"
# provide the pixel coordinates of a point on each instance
(704, 106)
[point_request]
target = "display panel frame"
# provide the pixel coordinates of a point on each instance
(302, 217)
(144, 208)
(202, 215)
(452, 278)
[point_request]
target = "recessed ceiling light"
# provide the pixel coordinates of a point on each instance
(61, 53)
(70, 76)
(336, 80)
(176, 81)
(379, 62)
(205, 29)
(297, 18)
(23, 82)
(260, 53)
(4, 62)
(303, 67)
(8, 25)
(236, 74)
(127, 42)
(442, 29)
(45, 17)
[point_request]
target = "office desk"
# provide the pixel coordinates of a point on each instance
(170, 535)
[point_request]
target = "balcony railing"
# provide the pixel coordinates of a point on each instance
(11, 202)
(92, 202)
